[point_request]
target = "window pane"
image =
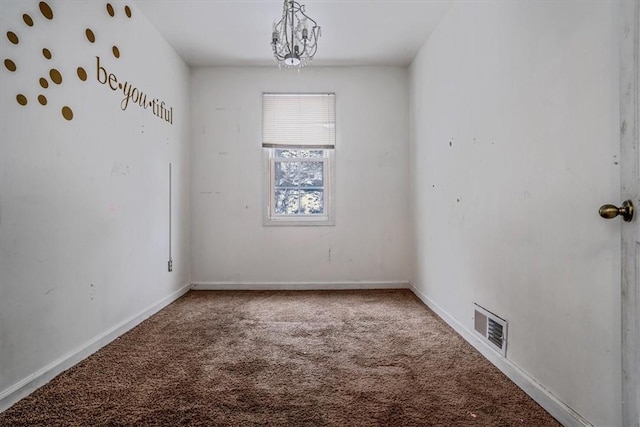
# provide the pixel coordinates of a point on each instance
(299, 153)
(287, 174)
(311, 202)
(311, 174)
(287, 201)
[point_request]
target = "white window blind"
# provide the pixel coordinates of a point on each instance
(298, 120)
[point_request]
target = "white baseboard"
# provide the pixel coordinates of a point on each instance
(559, 410)
(39, 378)
(296, 286)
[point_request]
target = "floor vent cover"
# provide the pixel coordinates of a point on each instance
(491, 328)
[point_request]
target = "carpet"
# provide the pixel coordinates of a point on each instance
(284, 358)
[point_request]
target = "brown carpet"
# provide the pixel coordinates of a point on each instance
(307, 358)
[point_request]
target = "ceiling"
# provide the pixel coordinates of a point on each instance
(238, 32)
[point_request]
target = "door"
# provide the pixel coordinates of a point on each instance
(630, 177)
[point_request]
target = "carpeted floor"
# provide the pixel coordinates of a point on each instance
(308, 358)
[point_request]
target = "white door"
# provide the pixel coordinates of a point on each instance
(630, 170)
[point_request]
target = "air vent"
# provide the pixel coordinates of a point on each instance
(491, 328)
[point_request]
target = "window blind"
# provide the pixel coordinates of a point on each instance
(298, 120)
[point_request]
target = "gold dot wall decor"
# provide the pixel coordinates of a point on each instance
(55, 75)
(82, 74)
(37, 19)
(45, 9)
(90, 36)
(53, 71)
(13, 38)
(27, 20)
(10, 65)
(67, 113)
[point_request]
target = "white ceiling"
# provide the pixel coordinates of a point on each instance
(238, 32)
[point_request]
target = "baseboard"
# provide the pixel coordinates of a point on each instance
(297, 286)
(559, 410)
(39, 378)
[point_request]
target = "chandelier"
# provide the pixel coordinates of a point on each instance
(295, 37)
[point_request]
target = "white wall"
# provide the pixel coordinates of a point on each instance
(514, 146)
(84, 203)
(370, 239)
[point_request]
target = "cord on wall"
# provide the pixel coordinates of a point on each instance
(170, 263)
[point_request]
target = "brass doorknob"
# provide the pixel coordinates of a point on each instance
(611, 211)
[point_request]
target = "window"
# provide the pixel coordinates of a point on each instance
(299, 139)
(299, 190)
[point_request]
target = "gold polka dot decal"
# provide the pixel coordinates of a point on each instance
(13, 38)
(55, 75)
(27, 20)
(82, 74)
(67, 113)
(11, 66)
(45, 9)
(90, 36)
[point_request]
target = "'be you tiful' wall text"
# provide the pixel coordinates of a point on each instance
(133, 95)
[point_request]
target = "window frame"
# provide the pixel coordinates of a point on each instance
(325, 219)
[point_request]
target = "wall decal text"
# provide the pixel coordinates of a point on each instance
(132, 94)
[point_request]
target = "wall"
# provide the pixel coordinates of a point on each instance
(84, 202)
(369, 244)
(514, 146)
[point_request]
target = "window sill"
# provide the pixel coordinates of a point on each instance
(297, 222)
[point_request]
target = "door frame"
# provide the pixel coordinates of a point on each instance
(629, 132)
